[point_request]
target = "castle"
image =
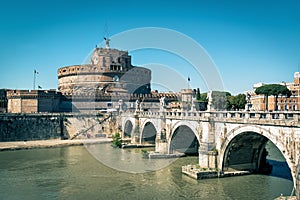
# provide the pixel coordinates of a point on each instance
(110, 70)
(109, 81)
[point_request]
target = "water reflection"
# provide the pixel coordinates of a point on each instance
(126, 160)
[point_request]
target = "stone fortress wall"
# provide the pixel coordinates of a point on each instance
(25, 101)
(18, 127)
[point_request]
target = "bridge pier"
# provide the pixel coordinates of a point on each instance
(135, 138)
(161, 147)
(161, 144)
(208, 159)
(208, 155)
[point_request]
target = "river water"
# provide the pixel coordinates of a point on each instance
(75, 173)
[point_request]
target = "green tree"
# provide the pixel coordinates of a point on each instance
(272, 89)
(235, 102)
(229, 102)
(117, 140)
(203, 97)
(240, 101)
(266, 91)
(280, 90)
(198, 95)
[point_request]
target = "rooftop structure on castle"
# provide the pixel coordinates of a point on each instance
(109, 70)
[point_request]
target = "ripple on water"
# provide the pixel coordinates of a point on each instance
(72, 173)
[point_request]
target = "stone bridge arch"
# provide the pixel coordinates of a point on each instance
(148, 131)
(128, 127)
(184, 138)
(258, 136)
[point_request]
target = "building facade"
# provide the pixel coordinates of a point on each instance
(25, 101)
(258, 102)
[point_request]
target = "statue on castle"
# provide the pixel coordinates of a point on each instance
(106, 42)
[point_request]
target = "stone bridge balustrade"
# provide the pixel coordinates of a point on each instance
(276, 118)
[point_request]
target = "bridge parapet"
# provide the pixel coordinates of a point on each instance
(282, 118)
(176, 115)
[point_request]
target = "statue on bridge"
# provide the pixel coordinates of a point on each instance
(248, 105)
(162, 105)
(137, 105)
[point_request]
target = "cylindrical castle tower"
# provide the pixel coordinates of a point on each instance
(109, 70)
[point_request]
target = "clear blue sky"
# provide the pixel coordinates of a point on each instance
(249, 41)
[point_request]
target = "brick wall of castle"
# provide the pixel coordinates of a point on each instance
(25, 101)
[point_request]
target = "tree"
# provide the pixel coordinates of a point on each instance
(229, 102)
(266, 91)
(198, 95)
(203, 97)
(235, 102)
(117, 140)
(280, 90)
(240, 101)
(273, 89)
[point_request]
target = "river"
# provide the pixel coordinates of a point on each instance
(75, 173)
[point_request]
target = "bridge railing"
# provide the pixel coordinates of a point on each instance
(243, 116)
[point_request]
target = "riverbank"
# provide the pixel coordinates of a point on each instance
(19, 145)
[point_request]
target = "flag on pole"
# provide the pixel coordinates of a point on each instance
(39, 87)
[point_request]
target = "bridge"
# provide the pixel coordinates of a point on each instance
(224, 140)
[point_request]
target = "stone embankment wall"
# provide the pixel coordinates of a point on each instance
(90, 126)
(38, 126)
(16, 127)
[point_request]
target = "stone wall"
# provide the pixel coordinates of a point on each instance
(18, 127)
(39, 126)
(90, 126)
(25, 101)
